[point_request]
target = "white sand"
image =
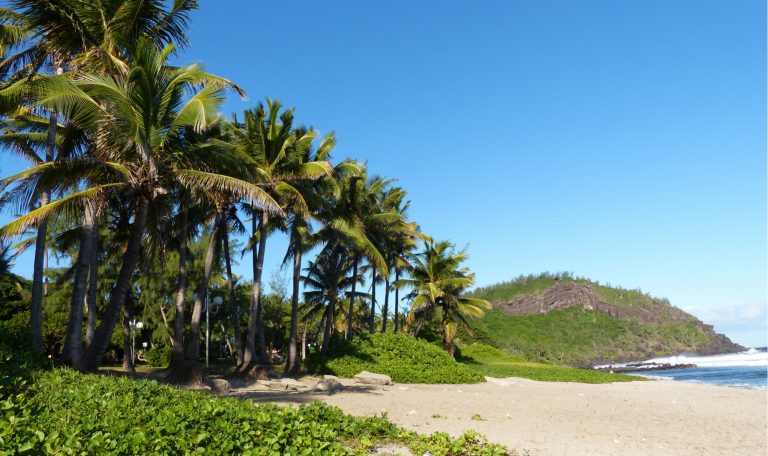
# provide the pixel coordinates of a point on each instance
(637, 418)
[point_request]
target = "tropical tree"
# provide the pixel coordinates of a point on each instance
(51, 37)
(135, 145)
(277, 156)
(298, 226)
(326, 279)
(437, 279)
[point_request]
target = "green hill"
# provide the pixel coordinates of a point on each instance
(561, 319)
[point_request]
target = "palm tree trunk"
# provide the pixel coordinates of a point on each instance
(233, 314)
(331, 311)
(193, 341)
(372, 316)
(397, 301)
(36, 305)
(254, 316)
(385, 309)
(96, 350)
(304, 342)
(351, 313)
(177, 355)
(93, 283)
(293, 362)
(73, 346)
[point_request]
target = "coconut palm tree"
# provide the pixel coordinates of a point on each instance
(135, 145)
(299, 226)
(327, 277)
(438, 279)
(40, 35)
(276, 154)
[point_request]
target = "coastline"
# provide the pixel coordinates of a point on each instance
(544, 418)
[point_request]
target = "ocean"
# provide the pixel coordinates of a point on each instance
(748, 369)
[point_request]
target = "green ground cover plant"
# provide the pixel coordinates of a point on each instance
(404, 358)
(492, 362)
(64, 412)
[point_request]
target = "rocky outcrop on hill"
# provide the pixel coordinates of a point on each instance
(640, 308)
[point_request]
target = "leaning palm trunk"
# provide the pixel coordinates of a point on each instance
(93, 289)
(177, 355)
(331, 311)
(293, 361)
(397, 301)
(233, 314)
(36, 305)
(73, 346)
(385, 309)
(351, 313)
(254, 316)
(96, 350)
(372, 315)
(193, 341)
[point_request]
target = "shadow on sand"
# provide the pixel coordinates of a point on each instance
(299, 397)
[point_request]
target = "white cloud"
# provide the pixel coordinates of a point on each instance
(736, 319)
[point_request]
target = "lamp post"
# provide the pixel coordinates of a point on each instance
(135, 327)
(216, 302)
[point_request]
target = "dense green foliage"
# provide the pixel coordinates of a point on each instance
(404, 358)
(64, 412)
(492, 362)
(578, 336)
(158, 356)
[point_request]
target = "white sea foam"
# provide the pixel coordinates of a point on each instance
(749, 358)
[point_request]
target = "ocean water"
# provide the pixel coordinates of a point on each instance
(747, 369)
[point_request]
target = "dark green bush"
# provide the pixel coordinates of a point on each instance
(158, 356)
(404, 358)
(69, 413)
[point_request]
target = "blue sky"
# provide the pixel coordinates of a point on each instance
(622, 140)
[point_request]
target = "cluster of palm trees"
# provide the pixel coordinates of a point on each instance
(130, 159)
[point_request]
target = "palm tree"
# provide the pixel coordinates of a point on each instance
(299, 227)
(135, 145)
(438, 279)
(326, 279)
(277, 156)
(51, 36)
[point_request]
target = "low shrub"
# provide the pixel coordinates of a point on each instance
(484, 352)
(404, 358)
(158, 356)
(18, 361)
(64, 412)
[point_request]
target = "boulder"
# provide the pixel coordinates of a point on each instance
(369, 378)
(219, 386)
(330, 385)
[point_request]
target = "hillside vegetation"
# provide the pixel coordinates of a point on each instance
(561, 319)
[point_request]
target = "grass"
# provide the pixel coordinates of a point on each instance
(492, 362)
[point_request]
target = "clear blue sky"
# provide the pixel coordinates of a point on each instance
(622, 140)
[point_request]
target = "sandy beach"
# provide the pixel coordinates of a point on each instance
(637, 418)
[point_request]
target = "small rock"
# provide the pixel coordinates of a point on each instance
(412, 412)
(403, 388)
(329, 385)
(219, 386)
(369, 378)
(330, 377)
